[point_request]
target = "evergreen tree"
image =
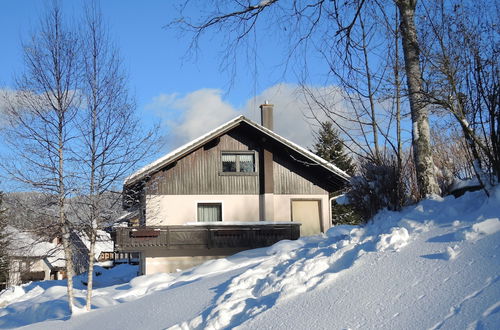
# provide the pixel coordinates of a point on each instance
(330, 147)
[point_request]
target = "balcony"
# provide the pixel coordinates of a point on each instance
(206, 236)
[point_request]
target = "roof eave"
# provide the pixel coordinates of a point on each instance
(193, 145)
(181, 151)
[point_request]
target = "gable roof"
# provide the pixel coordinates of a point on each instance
(222, 129)
(103, 242)
(25, 244)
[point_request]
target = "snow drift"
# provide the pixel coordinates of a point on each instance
(434, 265)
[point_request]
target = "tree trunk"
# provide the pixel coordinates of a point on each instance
(419, 113)
(397, 86)
(68, 254)
(377, 155)
(90, 274)
(66, 240)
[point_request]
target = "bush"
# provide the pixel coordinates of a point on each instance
(378, 187)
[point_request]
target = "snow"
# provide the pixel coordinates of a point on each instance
(416, 133)
(461, 184)
(433, 265)
(395, 240)
(341, 199)
(486, 227)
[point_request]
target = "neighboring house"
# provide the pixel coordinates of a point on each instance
(104, 253)
(236, 187)
(31, 259)
(128, 219)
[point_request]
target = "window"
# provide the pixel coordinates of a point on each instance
(233, 162)
(209, 212)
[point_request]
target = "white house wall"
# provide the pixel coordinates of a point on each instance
(182, 209)
(162, 210)
(18, 266)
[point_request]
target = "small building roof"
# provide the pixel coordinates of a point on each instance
(26, 245)
(222, 129)
(103, 243)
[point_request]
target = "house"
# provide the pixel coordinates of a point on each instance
(104, 254)
(239, 186)
(33, 259)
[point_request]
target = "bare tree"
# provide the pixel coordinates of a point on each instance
(41, 117)
(368, 114)
(110, 140)
(464, 81)
(4, 247)
(312, 23)
(419, 105)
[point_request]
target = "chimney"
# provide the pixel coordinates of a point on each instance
(266, 115)
(266, 176)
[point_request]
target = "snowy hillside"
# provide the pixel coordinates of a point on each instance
(433, 266)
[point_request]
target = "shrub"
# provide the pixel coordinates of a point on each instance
(377, 187)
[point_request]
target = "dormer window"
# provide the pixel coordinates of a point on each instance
(238, 162)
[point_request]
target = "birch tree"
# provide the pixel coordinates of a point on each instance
(419, 105)
(111, 140)
(41, 117)
(4, 247)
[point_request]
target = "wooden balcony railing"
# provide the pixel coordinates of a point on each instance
(203, 236)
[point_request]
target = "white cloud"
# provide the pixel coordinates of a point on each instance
(6, 96)
(189, 116)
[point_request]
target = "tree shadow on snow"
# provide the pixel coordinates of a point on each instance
(19, 314)
(435, 256)
(446, 238)
(221, 289)
(257, 303)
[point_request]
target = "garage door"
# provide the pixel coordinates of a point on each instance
(307, 212)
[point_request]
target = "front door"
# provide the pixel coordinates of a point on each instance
(307, 212)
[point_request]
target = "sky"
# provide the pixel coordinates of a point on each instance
(188, 95)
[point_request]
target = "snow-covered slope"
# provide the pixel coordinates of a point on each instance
(433, 266)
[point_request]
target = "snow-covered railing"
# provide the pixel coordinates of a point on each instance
(210, 236)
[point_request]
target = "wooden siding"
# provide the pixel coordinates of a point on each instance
(198, 172)
(290, 179)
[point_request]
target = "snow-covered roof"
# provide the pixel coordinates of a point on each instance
(24, 244)
(126, 217)
(103, 243)
(196, 143)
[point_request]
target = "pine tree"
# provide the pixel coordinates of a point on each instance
(330, 147)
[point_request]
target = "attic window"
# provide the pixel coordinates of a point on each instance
(238, 162)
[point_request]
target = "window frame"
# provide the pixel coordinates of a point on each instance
(218, 203)
(237, 153)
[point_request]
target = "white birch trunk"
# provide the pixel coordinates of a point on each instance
(419, 113)
(90, 275)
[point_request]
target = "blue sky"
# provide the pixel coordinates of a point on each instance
(166, 84)
(188, 96)
(153, 55)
